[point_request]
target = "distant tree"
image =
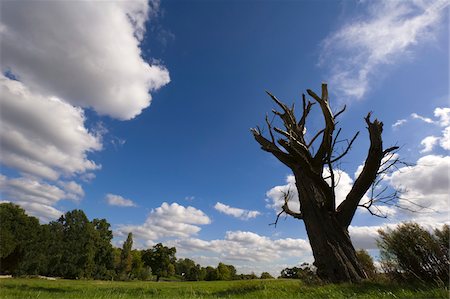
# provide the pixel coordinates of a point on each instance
(187, 269)
(225, 272)
(305, 272)
(366, 262)
(18, 236)
(78, 248)
(211, 273)
(159, 258)
(312, 158)
(411, 252)
(104, 256)
(247, 276)
(266, 275)
(138, 269)
(126, 258)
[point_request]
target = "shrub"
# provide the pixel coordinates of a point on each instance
(410, 252)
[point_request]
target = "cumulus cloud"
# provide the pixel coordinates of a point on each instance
(36, 197)
(390, 30)
(444, 116)
(172, 220)
(58, 58)
(43, 136)
(235, 212)
(428, 143)
(117, 200)
(86, 53)
(247, 246)
(426, 184)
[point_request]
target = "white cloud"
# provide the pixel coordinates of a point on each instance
(444, 141)
(422, 118)
(86, 53)
(68, 55)
(244, 246)
(37, 198)
(356, 52)
(444, 116)
(172, 220)
(235, 212)
(426, 184)
(428, 143)
(117, 200)
(275, 196)
(399, 123)
(73, 189)
(43, 136)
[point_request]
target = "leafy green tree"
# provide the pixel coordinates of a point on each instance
(126, 258)
(266, 275)
(187, 269)
(160, 259)
(226, 272)
(138, 269)
(18, 234)
(78, 254)
(411, 252)
(104, 256)
(211, 273)
(305, 272)
(366, 262)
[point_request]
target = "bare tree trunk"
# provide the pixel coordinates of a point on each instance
(326, 225)
(334, 254)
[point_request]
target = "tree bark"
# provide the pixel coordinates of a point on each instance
(333, 251)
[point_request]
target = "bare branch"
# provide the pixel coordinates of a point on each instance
(327, 137)
(347, 208)
(347, 149)
(314, 138)
(285, 208)
(340, 112)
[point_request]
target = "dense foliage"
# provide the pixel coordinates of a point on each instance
(74, 247)
(410, 252)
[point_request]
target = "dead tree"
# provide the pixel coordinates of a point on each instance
(326, 224)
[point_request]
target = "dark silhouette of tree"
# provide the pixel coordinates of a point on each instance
(326, 224)
(104, 258)
(18, 236)
(160, 259)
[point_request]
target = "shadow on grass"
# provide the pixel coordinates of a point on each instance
(38, 289)
(239, 290)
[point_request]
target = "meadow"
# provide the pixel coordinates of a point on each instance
(276, 288)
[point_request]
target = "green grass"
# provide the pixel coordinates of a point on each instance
(60, 289)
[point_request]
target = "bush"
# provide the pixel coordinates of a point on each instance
(409, 252)
(366, 262)
(266, 275)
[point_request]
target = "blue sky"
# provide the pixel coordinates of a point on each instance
(78, 132)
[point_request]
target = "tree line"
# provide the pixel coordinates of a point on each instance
(75, 248)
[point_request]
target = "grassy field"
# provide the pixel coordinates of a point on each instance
(59, 289)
